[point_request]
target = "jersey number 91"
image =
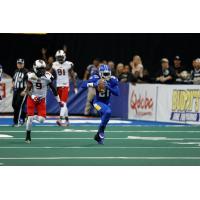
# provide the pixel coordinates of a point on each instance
(104, 94)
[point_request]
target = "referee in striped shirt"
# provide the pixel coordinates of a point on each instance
(19, 84)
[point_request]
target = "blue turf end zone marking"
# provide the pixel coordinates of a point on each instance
(8, 121)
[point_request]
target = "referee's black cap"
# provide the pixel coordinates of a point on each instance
(20, 60)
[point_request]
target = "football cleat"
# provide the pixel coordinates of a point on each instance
(28, 141)
(99, 137)
(28, 137)
(60, 123)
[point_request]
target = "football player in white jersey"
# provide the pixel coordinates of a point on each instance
(37, 85)
(63, 70)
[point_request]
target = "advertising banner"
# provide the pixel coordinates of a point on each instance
(164, 103)
(6, 96)
(142, 102)
(179, 103)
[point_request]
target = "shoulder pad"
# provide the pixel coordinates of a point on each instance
(94, 77)
(69, 63)
(32, 76)
(48, 75)
(114, 78)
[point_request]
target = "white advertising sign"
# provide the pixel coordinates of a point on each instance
(5, 96)
(142, 102)
(179, 103)
(165, 103)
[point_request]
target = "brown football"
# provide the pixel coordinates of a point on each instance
(101, 85)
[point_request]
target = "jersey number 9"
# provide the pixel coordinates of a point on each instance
(39, 86)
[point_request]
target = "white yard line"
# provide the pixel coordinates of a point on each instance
(89, 131)
(87, 138)
(101, 158)
(62, 138)
(102, 147)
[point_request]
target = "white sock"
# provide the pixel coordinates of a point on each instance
(66, 111)
(29, 123)
(62, 112)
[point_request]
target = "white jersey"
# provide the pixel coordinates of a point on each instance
(39, 85)
(62, 73)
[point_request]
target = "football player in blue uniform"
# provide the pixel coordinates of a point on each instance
(105, 85)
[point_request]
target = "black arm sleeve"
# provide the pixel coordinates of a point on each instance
(53, 72)
(53, 89)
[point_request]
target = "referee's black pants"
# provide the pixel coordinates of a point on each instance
(16, 104)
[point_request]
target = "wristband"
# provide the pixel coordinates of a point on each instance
(90, 84)
(57, 98)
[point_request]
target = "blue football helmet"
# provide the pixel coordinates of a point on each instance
(105, 72)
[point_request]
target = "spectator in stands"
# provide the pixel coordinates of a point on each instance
(65, 48)
(137, 66)
(1, 71)
(178, 68)
(194, 63)
(49, 63)
(146, 77)
(104, 62)
(119, 69)
(19, 84)
(44, 54)
(125, 76)
(195, 73)
(48, 59)
(111, 64)
(166, 74)
(91, 70)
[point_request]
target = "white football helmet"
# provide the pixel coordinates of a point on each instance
(39, 67)
(60, 56)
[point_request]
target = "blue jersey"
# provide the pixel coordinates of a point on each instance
(111, 88)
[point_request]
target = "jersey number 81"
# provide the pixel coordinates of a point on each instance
(61, 72)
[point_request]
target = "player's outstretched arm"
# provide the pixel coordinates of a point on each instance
(27, 89)
(53, 89)
(114, 90)
(92, 82)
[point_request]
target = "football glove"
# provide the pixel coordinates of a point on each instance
(75, 90)
(36, 99)
(61, 104)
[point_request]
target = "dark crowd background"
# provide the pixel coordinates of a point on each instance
(83, 47)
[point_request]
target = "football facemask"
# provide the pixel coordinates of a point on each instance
(105, 72)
